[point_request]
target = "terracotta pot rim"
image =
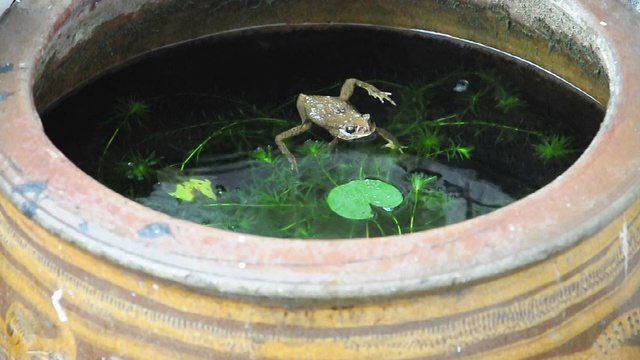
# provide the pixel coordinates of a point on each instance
(52, 191)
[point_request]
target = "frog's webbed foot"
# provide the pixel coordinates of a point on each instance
(380, 95)
(375, 92)
(394, 146)
(392, 142)
(347, 90)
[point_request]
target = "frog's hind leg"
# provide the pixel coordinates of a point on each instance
(280, 138)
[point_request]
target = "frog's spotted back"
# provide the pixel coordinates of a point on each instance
(337, 116)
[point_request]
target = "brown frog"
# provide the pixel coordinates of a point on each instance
(338, 117)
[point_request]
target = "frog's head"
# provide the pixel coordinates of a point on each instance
(356, 127)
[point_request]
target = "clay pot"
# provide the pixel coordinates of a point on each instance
(88, 274)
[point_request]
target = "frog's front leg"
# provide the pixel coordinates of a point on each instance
(392, 142)
(280, 138)
(332, 145)
(349, 85)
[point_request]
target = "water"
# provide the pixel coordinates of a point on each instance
(189, 130)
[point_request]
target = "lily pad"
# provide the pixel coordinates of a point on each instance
(354, 199)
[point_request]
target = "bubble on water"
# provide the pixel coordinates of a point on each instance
(461, 86)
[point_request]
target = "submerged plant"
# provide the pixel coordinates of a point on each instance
(140, 168)
(457, 151)
(128, 112)
(428, 141)
(134, 174)
(507, 101)
(316, 149)
(452, 116)
(418, 181)
(263, 154)
(554, 147)
(337, 189)
(226, 129)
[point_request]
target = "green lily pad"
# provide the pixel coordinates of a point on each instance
(354, 199)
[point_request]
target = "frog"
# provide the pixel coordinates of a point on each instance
(336, 115)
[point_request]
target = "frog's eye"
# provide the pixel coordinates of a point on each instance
(350, 129)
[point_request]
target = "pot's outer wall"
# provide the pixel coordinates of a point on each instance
(555, 275)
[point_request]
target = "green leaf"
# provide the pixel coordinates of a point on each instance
(186, 191)
(354, 199)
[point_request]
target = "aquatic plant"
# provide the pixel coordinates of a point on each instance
(460, 152)
(317, 161)
(134, 173)
(506, 101)
(554, 147)
(272, 200)
(454, 116)
(226, 130)
(139, 167)
(263, 154)
(128, 113)
(428, 141)
(314, 148)
(418, 181)
(358, 191)
(354, 199)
